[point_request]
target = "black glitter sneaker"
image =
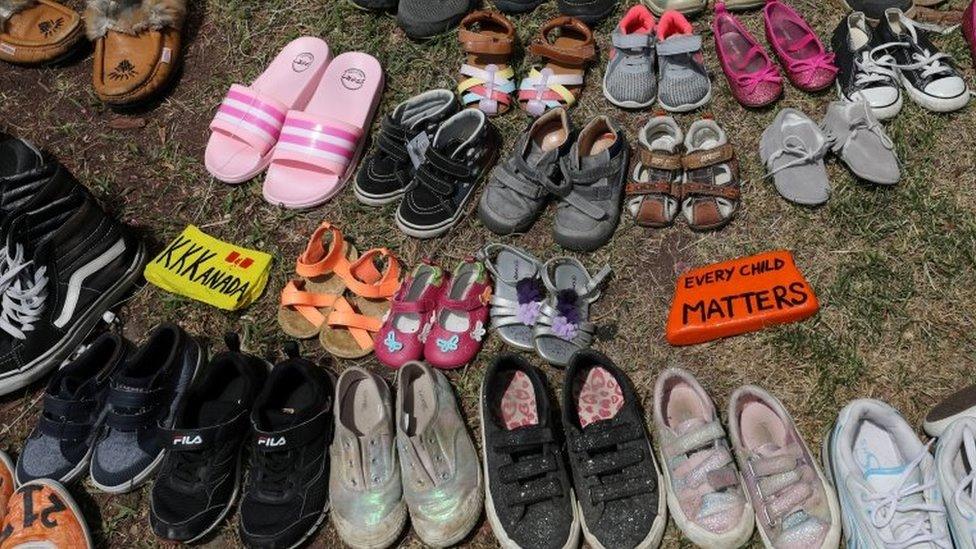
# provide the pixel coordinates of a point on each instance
(617, 480)
(287, 490)
(590, 12)
(201, 473)
(928, 75)
(59, 448)
(402, 145)
(460, 155)
(528, 495)
(427, 18)
(863, 73)
(67, 263)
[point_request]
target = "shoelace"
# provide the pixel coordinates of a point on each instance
(865, 124)
(794, 145)
(872, 68)
(964, 495)
(188, 466)
(930, 63)
(23, 296)
(907, 526)
(275, 468)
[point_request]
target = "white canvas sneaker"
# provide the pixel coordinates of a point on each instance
(955, 465)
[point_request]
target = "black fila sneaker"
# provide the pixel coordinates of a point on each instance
(200, 476)
(287, 490)
(63, 266)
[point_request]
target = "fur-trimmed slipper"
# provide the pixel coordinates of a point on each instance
(138, 47)
(37, 31)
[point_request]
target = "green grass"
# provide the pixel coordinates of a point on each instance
(894, 268)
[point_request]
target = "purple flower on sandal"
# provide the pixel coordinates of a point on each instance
(566, 323)
(563, 328)
(529, 293)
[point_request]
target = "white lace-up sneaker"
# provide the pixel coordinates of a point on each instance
(885, 480)
(955, 464)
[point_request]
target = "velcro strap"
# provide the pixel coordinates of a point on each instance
(677, 45)
(660, 160)
(611, 461)
(622, 489)
(447, 164)
(476, 42)
(603, 437)
(578, 55)
(182, 440)
(526, 469)
(70, 409)
(299, 435)
(772, 466)
(710, 157)
(580, 201)
(129, 422)
(696, 438)
(524, 436)
(650, 187)
(722, 478)
(63, 430)
(470, 303)
(526, 188)
(123, 397)
(632, 41)
(691, 188)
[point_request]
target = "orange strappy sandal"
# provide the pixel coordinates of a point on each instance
(349, 328)
(566, 45)
(324, 267)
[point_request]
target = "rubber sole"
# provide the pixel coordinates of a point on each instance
(690, 107)
(82, 328)
(496, 526)
(220, 518)
(476, 504)
(394, 526)
(881, 113)
(626, 104)
(375, 199)
(934, 104)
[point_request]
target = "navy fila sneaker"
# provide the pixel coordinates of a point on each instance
(64, 265)
(287, 489)
(200, 476)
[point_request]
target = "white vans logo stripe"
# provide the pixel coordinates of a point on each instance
(79, 276)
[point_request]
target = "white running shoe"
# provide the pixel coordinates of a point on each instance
(885, 480)
(955, 463)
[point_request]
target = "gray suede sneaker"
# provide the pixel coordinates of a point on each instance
(594, 174)
(859, 140)
(438, 462)
(427, 18)
(630, 80)
(364, 486)
(519, 187)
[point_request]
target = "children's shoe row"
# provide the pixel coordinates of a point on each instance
(412, 457)
(138, 44)
(437, 316)
(340, 296)
(583, 172)
(487, 78)
(430, 156)
(304, 119)
(767, 477)
(752, 76)
(542, 307)
(793, 148)
(876, 63)
(612, 489)
(656, 61)
(695, 174)
(66, 263)
(62, 523)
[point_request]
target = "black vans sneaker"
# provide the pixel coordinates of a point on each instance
(618, 483)
(28, 178)
(73, 410)
(287, 490)
(462, 151)
(144, 397)
(927, 74)
(863, 73)
(401, 146)
(200, 475)
(66, 264)
(529, 498)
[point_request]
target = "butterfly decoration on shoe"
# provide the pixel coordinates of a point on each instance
(392, 345)
(448, 345)
(479, 331)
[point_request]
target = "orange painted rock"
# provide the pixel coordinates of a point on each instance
(739, 296)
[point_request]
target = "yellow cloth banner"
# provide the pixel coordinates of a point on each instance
(199, 266)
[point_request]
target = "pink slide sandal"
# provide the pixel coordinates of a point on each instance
(248, 122)
(320, 146)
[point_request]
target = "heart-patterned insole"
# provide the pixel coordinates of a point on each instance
(518, 406)
(598, 397)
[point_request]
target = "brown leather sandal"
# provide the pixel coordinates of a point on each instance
(710, 190)
(654, 191)
(37, 31)
(137, 47)
(567, 46)
(486, 80)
